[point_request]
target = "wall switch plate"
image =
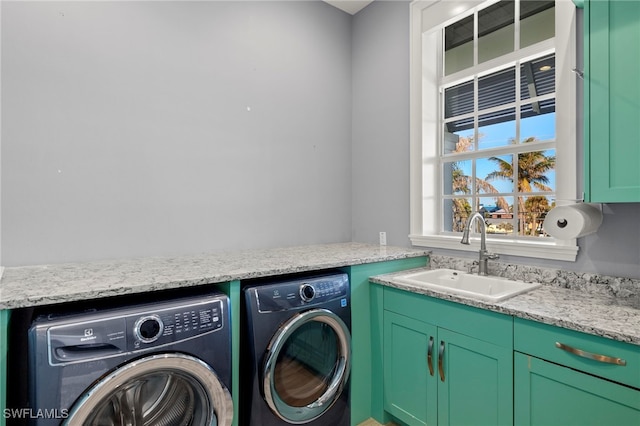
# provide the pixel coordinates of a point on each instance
(383, 238)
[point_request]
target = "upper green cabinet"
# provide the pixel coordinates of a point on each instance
(612, 100)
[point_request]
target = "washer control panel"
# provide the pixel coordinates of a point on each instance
(111, 332)
(171, 325)
(302, 292)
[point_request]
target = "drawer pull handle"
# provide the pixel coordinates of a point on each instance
(440, 357)
(589, 355)
(430, 355)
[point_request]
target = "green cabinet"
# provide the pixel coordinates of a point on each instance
(363, 361)
(477, 385)
(550, 394)
(612, 106)
(565, 378)
(444, 363)
(409, 393)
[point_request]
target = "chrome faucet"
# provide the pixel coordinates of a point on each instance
(484, 254)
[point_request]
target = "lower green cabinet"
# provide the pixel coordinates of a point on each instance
(477, 383)
(435, 374)
(550, 394)
(445, 363)
(565, 378)
(363, 398)
(410, 393)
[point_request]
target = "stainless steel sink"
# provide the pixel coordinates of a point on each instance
(493, 289)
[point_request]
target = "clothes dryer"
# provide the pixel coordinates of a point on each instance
(297, 352)
(161, 363)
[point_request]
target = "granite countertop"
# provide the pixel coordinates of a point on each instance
(601, 315)
(46, 284)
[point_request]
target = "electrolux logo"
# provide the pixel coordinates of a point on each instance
(33, 413)
(88, 335)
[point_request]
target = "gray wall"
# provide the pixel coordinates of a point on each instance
(381, 123)
(160, 128)
(381, 153)
(126, 132)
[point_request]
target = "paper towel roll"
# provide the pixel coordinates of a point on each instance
(572, 221)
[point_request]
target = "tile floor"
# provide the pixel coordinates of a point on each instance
(372, 422)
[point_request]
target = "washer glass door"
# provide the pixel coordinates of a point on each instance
(166, 389)
(307, 365)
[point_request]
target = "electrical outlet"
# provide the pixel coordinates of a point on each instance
(383, 238)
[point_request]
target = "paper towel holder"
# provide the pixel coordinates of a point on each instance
(571, 219)
(578, 201)
(574, 200)
(562, 223)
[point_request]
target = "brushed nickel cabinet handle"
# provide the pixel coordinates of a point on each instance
(440, 357)
(430, 355)
(596, 357)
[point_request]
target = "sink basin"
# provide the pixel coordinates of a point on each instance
(493, 289)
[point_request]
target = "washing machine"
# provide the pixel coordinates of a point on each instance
(297, 352)
(158, 363)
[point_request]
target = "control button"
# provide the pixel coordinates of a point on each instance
(148, 328)
(307, 292)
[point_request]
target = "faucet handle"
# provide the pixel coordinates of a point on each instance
(486, 254)
(492, 256)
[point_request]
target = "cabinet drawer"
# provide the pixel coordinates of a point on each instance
(550, 394)
(541, 340)
(485, 325)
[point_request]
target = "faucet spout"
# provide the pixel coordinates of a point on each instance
(484, 255)
(483, 230)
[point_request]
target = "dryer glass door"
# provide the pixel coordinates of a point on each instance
(166, 389)
(307, 365)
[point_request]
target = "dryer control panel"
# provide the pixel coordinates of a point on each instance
(301, 292)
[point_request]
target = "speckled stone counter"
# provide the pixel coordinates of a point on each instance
(47, 284)
(595, 313)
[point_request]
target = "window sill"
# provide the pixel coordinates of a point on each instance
(554, 250)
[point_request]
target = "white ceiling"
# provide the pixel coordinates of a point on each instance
(349, 6)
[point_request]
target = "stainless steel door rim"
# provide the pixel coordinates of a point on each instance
(182, 386)
(313, 410)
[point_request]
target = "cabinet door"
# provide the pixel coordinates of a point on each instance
(409, 386)
(612, 93)
(476, 385)
(549, 394)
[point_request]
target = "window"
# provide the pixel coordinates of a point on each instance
(493, 122)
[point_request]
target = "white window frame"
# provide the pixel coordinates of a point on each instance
(425, 175)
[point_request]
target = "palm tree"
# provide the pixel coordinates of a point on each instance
(461, 184)
(533, 167)
(536, 207)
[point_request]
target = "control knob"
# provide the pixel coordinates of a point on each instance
(148, 328)
(307, 292)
